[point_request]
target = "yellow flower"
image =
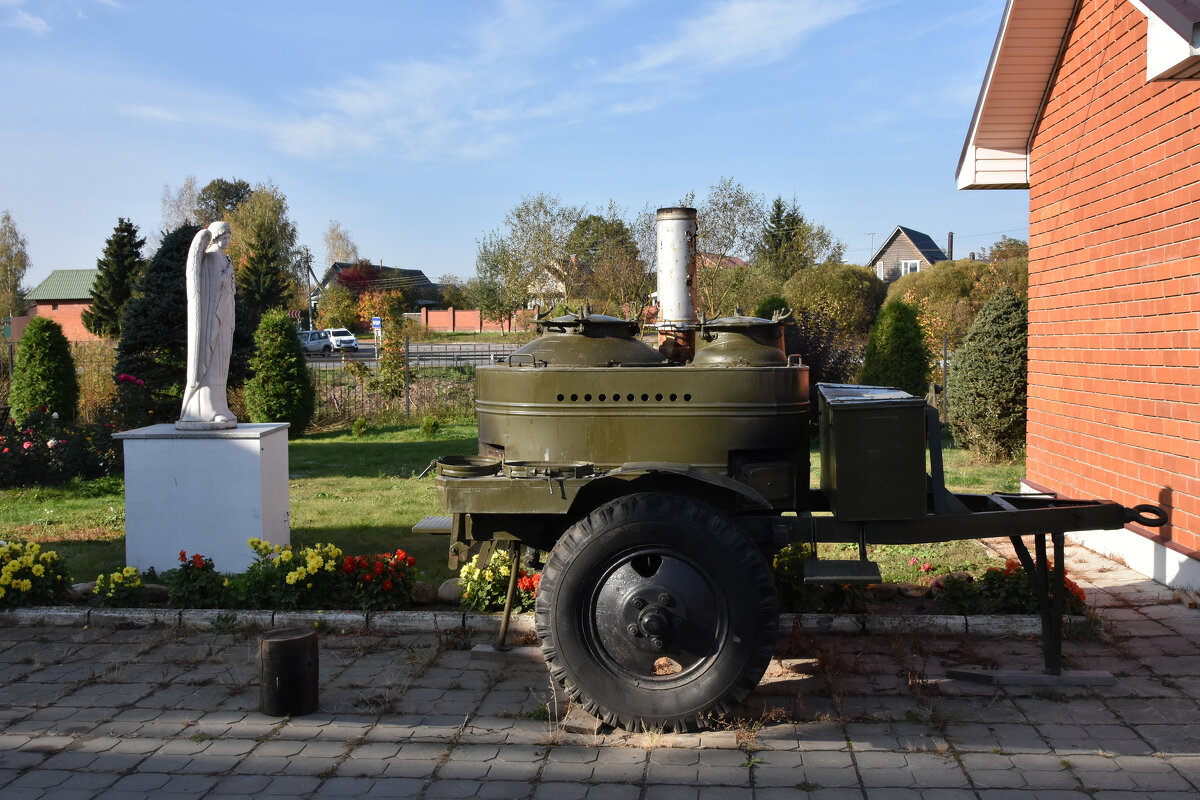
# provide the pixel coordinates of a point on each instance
(1, 591)
(285, 556)
(118, 577)
(25, 585)
(38, 570)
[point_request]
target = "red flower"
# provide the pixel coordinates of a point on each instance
(387, 586)
(348, 567)
(411, 561)
(378, 567)
(182, 556)
(367, 578)
(198, 560)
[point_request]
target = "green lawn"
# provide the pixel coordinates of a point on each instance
(362, 495)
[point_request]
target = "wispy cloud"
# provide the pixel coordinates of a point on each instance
(744, 32)
(17, 17)
(151, 113)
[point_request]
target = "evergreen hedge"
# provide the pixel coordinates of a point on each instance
(281, 390)
(896, 353)
(989, 380)
(43, 372)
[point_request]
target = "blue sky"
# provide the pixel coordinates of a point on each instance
(418, 125)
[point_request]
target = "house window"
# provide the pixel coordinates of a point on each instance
(908, 266)
(54, 306)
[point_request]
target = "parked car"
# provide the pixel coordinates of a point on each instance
(342, 339)
(315, 342)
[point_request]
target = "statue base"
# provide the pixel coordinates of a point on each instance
(204, 425)
(204, 491)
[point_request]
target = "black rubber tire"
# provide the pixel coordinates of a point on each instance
(719, 623)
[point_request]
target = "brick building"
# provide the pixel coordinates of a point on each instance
(63, 297)
(1089, 105)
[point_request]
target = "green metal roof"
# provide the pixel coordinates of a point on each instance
(66, 284)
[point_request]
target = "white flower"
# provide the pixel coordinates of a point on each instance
(54, 415)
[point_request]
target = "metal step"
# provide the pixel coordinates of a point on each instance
(852, 571)
(434, 524)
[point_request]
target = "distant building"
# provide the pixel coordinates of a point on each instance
(388, 278)
(63, 297)
(904, 252)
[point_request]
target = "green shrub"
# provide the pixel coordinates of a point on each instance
(896, 353)
(430, 426)
(988, 380)
(281, 389)
(43, 372)
(769, 305)
(359, 428)
(47, 450)
(280, 578)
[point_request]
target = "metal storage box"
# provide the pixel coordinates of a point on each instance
(872, 453)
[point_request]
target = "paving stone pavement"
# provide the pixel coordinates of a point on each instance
(164, 712)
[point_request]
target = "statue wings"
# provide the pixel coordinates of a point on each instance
(203, 286)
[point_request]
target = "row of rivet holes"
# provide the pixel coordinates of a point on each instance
(587, 398)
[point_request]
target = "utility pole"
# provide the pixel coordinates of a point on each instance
(872, 235)
(306, 257)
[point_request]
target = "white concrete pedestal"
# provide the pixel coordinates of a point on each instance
(204, 492)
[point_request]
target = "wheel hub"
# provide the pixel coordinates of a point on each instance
(652, 605)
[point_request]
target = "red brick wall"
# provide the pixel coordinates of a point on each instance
(1114, 283)
(68, 315)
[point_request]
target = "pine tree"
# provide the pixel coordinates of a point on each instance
(989, 379)
(43, 372)
(896, 354)
(153, 343)
(262, 279)
(119, 268)
(281, 389)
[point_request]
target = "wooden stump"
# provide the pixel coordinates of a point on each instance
(288, 673)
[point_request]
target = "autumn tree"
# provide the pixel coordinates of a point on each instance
(219, 199)
(849, 294)
(337, 307)
(538, 228)
(604, 251)
(14, 261)
(261, 222)
(502, 278)
(730, 221)
(180, 206)
(455, 292)
(339, 247)
(118, 268)
(359, 277)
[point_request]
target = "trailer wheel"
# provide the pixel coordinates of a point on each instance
(656, 612)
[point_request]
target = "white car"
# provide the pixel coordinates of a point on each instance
(315, 342)
(342, 339)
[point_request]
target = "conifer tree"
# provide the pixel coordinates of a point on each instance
(119, 268)
(281, 389)
(262, 279)
(896, 354)
(989, 379)
(43, 372)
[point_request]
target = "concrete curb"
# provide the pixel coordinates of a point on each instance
(395, 622)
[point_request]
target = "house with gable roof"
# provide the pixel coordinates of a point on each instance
(1093, 106)
(905, 251)
(63, 297)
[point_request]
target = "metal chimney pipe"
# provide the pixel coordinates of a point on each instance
(950, 245)
(676, 256)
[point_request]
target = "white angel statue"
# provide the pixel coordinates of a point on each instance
(209, 331)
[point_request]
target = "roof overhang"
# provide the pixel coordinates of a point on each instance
(1027, 51)
(996, 152)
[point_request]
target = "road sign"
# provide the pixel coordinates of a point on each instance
(376, 323)
(294, 314)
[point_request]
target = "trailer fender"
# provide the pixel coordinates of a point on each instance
(634, 470)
